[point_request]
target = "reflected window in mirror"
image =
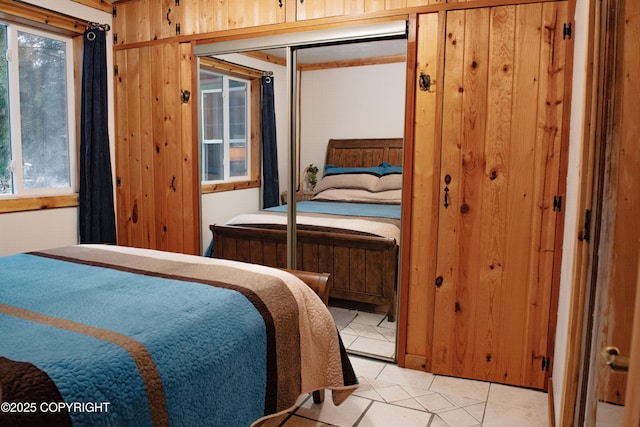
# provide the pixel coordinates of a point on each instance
(225, 119)
(229, 141)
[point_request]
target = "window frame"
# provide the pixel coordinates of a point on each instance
(226, 141)
(19, 192)
(254, 133)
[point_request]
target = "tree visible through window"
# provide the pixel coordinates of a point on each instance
(6, 185)
(36, 128)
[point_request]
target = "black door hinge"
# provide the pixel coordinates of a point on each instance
(546, 362)
(115, 38)
(114, 12)
(177, 29)
(567, 30)
(557, 203)
(586, 228)
(115, 70)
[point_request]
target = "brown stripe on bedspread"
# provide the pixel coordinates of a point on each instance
(141, 356)
(270, 295)
(24, 382)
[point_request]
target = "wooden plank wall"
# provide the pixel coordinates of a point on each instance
(156, 166)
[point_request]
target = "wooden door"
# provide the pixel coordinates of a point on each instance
(311, 9)
(500, 165)
(156, 162)
(251, 13)
(613, 395)
(206, 16)
(380, 5)
(631, 416)
(145, 20)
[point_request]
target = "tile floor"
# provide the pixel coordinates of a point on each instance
(390, 396)
(368, 333)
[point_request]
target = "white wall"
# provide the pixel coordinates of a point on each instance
(351, 102)
(44, 229)
(37, 230)
(571, 205)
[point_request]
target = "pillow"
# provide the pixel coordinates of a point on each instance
(363, 181)
(374, 179)
(382, 169)
(355, 195)
(389, 182)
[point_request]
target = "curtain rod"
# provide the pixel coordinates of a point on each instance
(98, 26)
(265, 73)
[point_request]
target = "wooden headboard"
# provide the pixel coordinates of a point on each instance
(364, 152)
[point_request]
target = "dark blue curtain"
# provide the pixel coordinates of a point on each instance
(97, 215)
(271, 186)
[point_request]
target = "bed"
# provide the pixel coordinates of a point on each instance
(107, 335)
(362, 262)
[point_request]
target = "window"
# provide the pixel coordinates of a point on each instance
(230, 125)
(225, 124)
(37, 128)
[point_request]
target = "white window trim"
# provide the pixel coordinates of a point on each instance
(15, 125)
(226, 141)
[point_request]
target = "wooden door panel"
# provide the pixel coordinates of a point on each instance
(320, 8)
(167, 140)
(619, 247)
(189, 160)
(156, 163)
(144, 20)
(424, 159)
(251, 13)
(134, 155)
(131, 22)
(123, 204)
(502, 118)
(163, 17)
(203, 16)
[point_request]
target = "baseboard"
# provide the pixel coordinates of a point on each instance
(412, 361)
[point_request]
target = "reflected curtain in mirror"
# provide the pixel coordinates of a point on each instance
(97, 214)
(271, 186)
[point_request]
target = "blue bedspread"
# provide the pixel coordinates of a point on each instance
(341, 208)
(158, 348)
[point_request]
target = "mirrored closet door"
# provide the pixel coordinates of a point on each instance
(335, 117)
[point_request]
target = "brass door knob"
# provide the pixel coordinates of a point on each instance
(612, 358)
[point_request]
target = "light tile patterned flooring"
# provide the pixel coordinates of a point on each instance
(390, 396)
(369, 334)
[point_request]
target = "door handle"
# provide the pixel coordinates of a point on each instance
(612, 358)
(447, 181)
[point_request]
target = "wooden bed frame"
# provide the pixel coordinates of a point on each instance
(361, 268)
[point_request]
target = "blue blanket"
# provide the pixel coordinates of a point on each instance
(92, 295)
(157, 348)
(341, 208)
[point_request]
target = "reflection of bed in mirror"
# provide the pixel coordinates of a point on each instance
(350, 229)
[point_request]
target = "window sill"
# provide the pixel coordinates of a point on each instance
(21, 204)
(229, 186)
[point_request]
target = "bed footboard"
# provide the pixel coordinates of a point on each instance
(361, 268)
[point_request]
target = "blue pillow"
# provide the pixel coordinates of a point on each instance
(382, 169)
